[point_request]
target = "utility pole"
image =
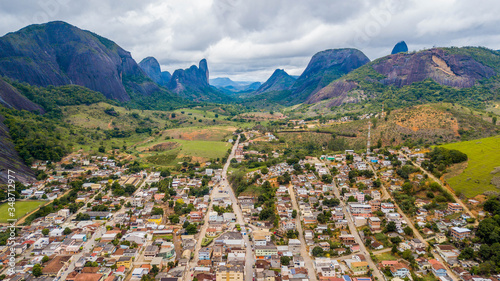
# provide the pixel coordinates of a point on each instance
(368, 140)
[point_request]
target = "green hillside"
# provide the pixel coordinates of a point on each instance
(483, 166)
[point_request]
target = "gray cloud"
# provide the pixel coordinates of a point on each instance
(247, 40)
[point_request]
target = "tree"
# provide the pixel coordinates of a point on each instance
(285, 260)
(390, 227)
(67, 231)
(45, 259)
(466, 254)
(37, 270)
(157, 211)
(394, 249)
(191, 229)
(155, 270)
(294, 213)
(264, 171)
(494, 120)
(317, 251)
(45, 231)
(408, 231)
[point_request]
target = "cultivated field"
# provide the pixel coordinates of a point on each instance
(476, 178)
(22, 208)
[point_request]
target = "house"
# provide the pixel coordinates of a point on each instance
(448, 252)
(387, 208)
(157, 219)
(89, 277)
(205, 253)
(374, 224)
(358, 267)
(195, 216)
(151, 252)
(139, 272)
(124, 261)
(438, 268)
(460, 233)
(56, 232)
(294, 245)
(399, 269)
(440, 238)
(454, 207)
(287, 224)
(265, 251)
(55, 265)
(360, 210)
(416, 243)
(229, 273)
(229, 217)
(41, 243)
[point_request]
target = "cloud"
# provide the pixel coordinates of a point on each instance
(247, 40)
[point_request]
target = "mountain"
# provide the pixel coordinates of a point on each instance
(227, 85)
(465, 75)
(325, 67)
(400, 47)
(57, 53)
(152, 68)
(279, 81)
(10, 97)
(193, 84)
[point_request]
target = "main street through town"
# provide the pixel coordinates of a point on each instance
(249, 258)
(226, 188)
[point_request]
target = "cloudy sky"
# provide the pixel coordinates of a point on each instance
(247, 40)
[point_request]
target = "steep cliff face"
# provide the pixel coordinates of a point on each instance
(454, 67)
(12, 98)
(325, 67)
(193, 84)
(152, 68)
(10, 160)
(446, 69)
(279, 81)
(57, 53)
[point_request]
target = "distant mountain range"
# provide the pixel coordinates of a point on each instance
(227, 85)
(57, 53)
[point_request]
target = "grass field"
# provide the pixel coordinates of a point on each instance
(197, 151)
(387, 256)
(22, 208)
(484, 157)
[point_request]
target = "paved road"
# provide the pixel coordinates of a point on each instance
(415, 231)
(303, 247)
(191, 265)
(430, 175)
(352, 228)
(249, 257)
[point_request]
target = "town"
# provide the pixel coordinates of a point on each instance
(337, 217)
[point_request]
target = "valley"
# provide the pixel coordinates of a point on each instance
(355, 170)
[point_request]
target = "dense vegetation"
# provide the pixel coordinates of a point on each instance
(488, 232)
(440, 158)
(51, 97)
(35, 136)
